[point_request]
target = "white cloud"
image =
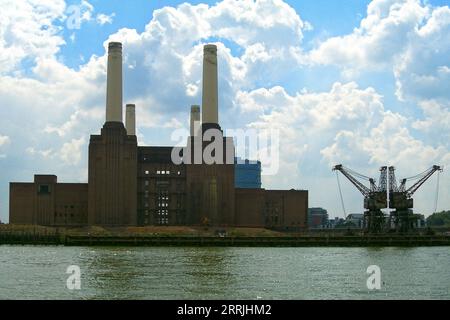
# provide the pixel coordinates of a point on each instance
(436, 121)
(43, 153)
(4, 140)
(71, 151)
(86, 10)
(27, 31)
(75, 119)
(102, 18)
(423, 70)
(409, 37)
(383, 34)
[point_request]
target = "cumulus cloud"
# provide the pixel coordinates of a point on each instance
(436, 120)
(423, 70)
(28, 31)
(409, 37)
(382, 35)
(71, 151)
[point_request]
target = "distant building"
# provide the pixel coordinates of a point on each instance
(317, 218)
(419, 221)
(357, 219)
(247, 174)
(333, 223)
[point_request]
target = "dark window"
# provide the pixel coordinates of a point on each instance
(44, 189)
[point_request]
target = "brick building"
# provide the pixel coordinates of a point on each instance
(131, 185)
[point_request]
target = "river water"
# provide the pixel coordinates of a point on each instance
(39, 272)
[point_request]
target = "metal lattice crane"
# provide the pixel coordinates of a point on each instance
(375, 197)
(401, 199)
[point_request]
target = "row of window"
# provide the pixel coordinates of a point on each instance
(161, 221)
(162, 204)
(162, 217)
(158, 204)
(162, 212)
(162, 172)
(63, 215)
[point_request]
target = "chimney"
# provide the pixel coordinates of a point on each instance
(114, 83)
(130, 119)
(209, 91)
(195, 120)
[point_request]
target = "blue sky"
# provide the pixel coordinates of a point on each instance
(364, 83)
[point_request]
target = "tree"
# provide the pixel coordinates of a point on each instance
(439, 219)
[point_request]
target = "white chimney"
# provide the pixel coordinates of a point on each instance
(114, 83)
(210, 113)
(130, 119)
(195, 120)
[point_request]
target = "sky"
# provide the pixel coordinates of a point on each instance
(362, 83)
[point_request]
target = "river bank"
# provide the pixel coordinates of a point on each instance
(208, 237)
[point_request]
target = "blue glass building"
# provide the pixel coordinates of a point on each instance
(247, 174)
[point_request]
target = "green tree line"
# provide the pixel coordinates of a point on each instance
(439, 219)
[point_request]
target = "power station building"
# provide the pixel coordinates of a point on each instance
(131, 185)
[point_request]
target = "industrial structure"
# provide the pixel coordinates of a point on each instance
(131, 185)
(375, 197)
(402, 219)
(400, 198)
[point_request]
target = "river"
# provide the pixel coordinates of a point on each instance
(39, 272)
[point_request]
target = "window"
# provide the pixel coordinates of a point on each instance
(44, 189)
(147, 172)
(147, 182)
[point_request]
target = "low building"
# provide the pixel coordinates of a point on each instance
(317, 218)
(356, 220)
(420, 221)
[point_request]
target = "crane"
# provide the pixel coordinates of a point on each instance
(401, 199)
(375, 197)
